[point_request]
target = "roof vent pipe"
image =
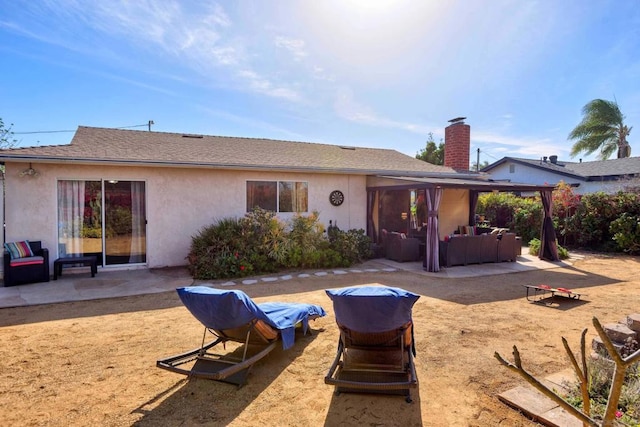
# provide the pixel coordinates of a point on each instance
(553, 159)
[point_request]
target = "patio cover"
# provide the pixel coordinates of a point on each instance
(548, 245)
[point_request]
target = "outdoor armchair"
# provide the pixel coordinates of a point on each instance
(25, 262)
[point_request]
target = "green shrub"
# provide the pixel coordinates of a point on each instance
(527, 218)
(521, 215)
(595, 221)
(626, 232)
(91, 232)
(497, 208)
(594, 216)
(352, 245)
(534, 249)
(259, 243)
(215, 252)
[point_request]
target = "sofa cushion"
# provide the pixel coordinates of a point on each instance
(26, 261)
(467, 230)
(19, 249)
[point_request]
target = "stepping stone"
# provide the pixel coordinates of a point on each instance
(269, 279)
(303, 275)
(249, 282)
(538, 407)
(228, 284)
(339, 272)
(287, 277)
(321, 273)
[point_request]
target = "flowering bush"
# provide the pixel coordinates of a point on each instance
(259, 243)
(609, 222)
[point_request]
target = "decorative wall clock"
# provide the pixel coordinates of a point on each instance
(336, 197)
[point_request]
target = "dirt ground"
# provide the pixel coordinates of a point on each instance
(93, 362)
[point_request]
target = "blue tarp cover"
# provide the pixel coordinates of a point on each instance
(227, 309)
(371, 309)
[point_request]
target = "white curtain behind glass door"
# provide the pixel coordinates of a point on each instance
(70, 215)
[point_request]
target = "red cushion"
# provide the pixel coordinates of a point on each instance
(26, 261)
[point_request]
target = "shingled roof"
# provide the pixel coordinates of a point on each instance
(587, 171)
(92, 145)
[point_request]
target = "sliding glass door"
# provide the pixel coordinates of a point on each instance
(124, 222)
(102, 218)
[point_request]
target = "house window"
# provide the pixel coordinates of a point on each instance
(278, 196)
(512, 168)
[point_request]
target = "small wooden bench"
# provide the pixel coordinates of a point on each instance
(540, 290)
(90, 261)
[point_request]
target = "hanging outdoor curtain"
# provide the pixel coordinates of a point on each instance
(473, 204)
(371, 226)
(548, 245)
(432, 252)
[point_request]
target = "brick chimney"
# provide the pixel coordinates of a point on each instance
(457, 144)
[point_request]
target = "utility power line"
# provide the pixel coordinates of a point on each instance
(148, 124)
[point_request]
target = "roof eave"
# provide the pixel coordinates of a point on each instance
(229, 166)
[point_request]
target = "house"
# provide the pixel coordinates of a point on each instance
(136, 198)
(609, 176)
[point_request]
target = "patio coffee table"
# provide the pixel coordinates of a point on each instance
(91, 261)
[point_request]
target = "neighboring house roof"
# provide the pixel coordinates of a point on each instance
(586, 171)
(608, 168)
(115, 146)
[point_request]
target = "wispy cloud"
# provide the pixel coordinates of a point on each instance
(262, 85)
(523, 146)
(252, 123)
(202, 39)
(294, 46)
(349, 109)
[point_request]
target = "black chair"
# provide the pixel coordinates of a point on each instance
(27, 270)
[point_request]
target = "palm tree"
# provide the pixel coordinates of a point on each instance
(602, 128)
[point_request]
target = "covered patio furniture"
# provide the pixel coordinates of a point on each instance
(231, 316)
(375, 348)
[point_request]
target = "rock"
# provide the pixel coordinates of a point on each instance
(598, 347)
(619, 332)
(633, 322)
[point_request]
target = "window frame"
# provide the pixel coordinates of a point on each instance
(295, 186)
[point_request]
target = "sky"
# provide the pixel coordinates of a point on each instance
(366, 73)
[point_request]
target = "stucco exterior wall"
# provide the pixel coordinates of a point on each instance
(179, 202)
(454, 211)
